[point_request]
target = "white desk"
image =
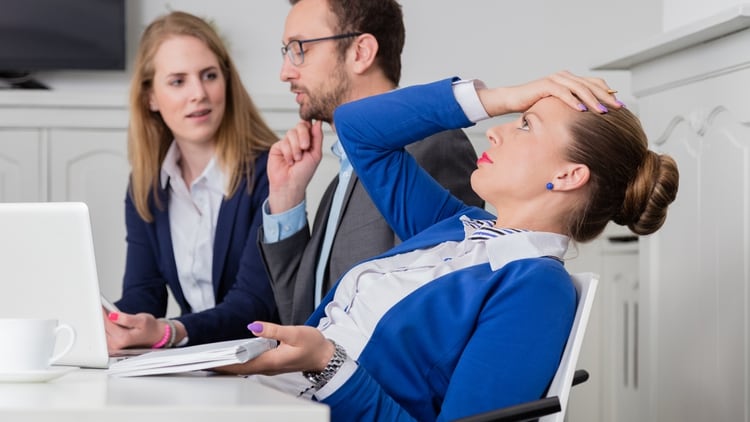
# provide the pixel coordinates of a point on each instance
(90, 394)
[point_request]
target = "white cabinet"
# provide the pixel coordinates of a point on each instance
(20, 178)
(610, 346)
(91, 166)
(64, 148)
(693, 91)
(619, 299)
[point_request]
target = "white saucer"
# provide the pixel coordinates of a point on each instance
(36, 376)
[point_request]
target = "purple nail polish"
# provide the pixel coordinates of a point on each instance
(255, 327)
(621, 104)
(582, 107)
(602, 108)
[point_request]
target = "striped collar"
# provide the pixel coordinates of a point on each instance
(503, 249)
(485, 229)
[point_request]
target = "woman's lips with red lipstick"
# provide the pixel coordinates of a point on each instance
(484, 159)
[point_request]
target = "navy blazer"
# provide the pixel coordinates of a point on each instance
(241, 287)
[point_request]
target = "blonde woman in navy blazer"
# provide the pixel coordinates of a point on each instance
(472, 311)
(198, 149)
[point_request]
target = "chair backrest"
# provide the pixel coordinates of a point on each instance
(585, 284)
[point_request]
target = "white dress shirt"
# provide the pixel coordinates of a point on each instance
(193, 213)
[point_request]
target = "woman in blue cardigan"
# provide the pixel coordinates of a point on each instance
(198, 149)
(471, 312)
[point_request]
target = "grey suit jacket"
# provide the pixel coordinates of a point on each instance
(361, 232)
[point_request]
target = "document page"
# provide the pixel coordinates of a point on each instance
(192, 358)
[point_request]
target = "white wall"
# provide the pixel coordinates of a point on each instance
(501, 42)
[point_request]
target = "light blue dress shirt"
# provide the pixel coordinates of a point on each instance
(277, 227)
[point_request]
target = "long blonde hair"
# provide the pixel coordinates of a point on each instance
(240, 138)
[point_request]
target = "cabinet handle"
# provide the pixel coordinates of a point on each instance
(625, 336)
(635, 346)
(622, 239)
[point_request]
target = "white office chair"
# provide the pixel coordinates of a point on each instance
(552, 407)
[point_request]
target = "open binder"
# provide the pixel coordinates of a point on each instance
(192, 358)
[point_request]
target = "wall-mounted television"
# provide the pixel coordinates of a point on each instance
(43, 35)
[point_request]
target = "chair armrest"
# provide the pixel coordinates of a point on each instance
(526, 411)
(580, 376)
(519, 412)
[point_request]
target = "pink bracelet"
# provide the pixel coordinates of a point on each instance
(164, 338)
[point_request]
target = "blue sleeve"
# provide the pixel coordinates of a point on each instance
(144, 288)
(277, 227)
(469, 363)
(374, 132)
(516, 346)
(363, 399)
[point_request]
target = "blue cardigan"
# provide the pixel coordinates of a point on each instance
(472, 340)
(241, 287)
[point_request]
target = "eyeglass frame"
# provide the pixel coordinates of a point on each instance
(289, 52)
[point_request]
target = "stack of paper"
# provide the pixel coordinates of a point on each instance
(192, 358)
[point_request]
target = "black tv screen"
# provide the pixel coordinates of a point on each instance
(61, 35)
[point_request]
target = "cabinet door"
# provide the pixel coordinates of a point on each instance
(585, 401)
(91, 166)
(620, 299)
(20, 172)
(610, 345)
(697, 264)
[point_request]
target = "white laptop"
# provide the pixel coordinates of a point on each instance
(48, 270)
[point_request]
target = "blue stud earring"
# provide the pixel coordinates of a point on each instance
(550, 186)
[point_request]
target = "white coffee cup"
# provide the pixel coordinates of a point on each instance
(28, 344)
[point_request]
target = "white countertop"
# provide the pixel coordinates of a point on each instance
(90, 394)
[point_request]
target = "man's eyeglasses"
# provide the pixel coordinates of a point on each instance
(296, 53)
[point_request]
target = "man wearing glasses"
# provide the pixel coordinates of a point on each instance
(334, 52)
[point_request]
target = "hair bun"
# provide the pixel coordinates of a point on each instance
(644, 208)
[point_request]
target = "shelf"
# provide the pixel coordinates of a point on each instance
(725, 23)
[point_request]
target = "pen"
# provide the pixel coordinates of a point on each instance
(109, 306)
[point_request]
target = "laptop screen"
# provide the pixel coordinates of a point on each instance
(48, 270)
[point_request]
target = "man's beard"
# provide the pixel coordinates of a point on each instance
(320, 105)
